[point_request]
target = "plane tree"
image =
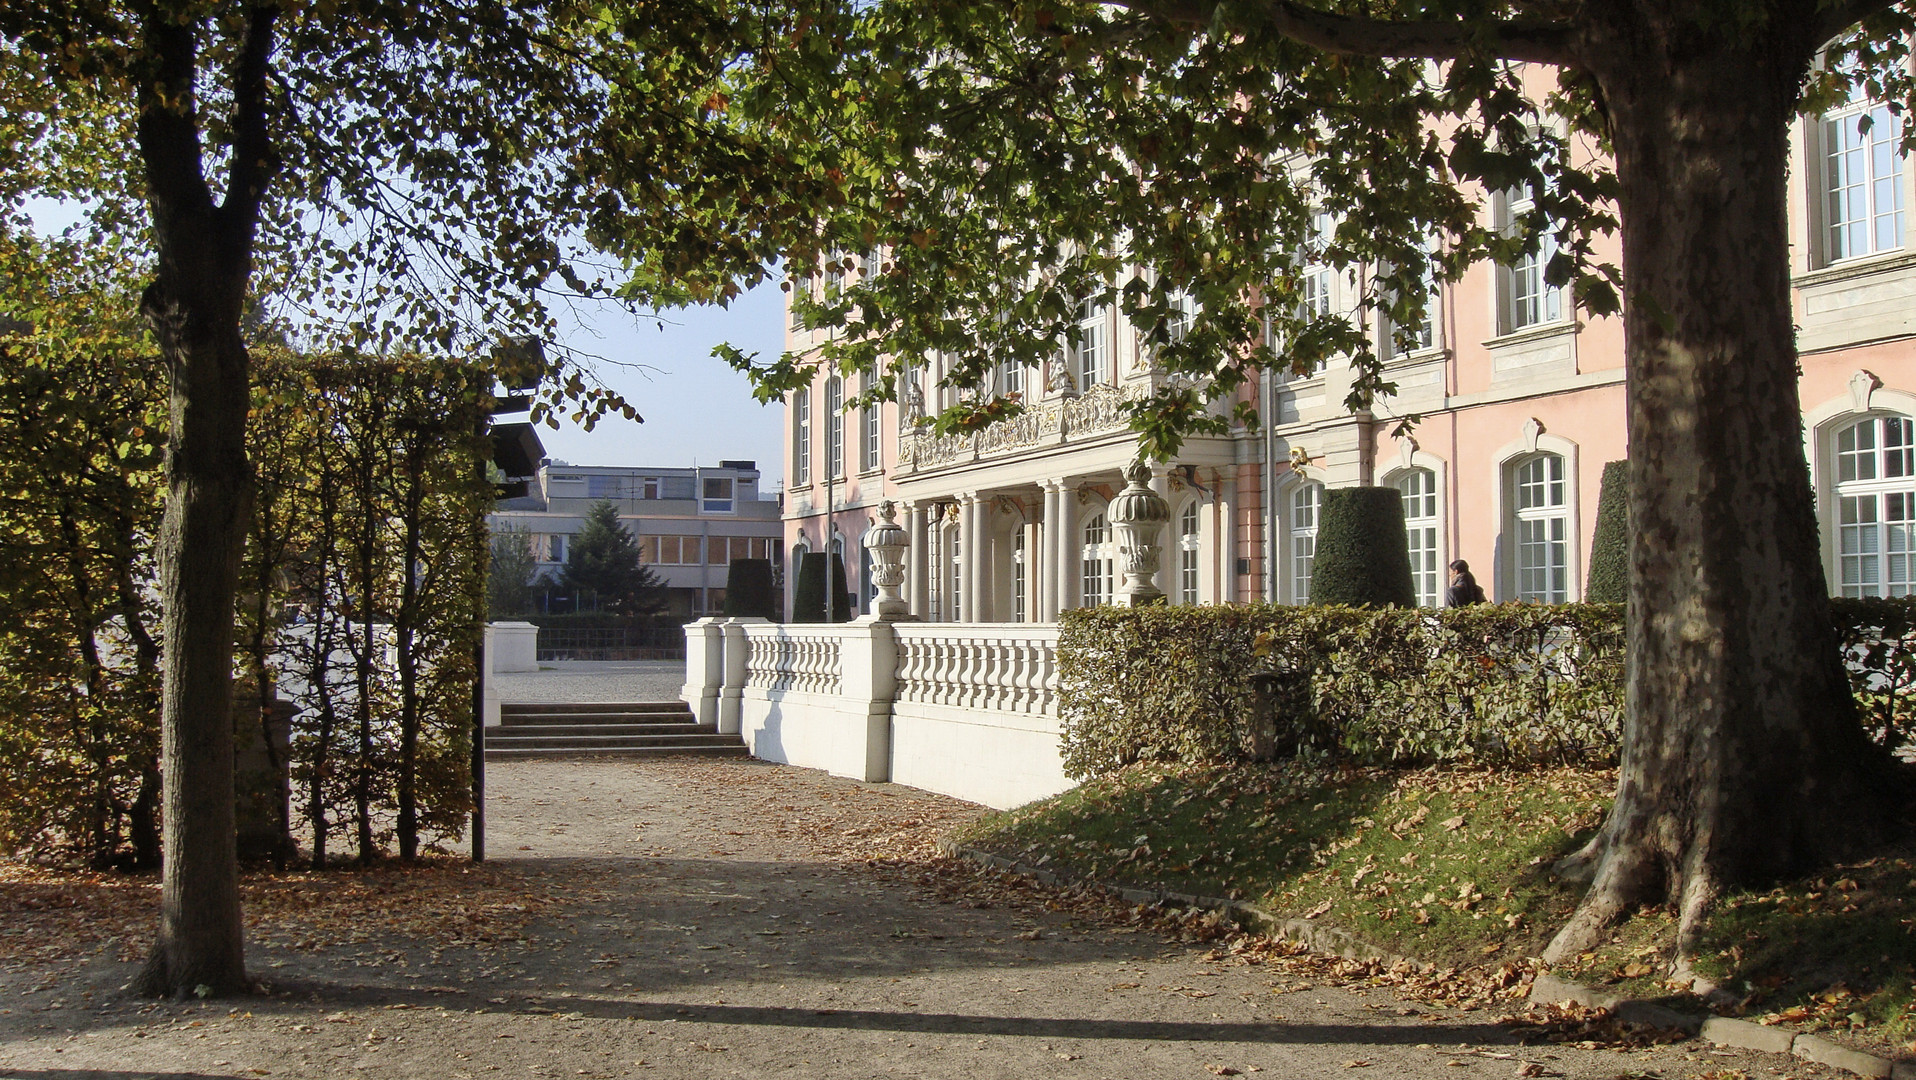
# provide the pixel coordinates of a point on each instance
(997, 166)
(378, 177)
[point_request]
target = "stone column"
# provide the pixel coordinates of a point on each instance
(1225, 590)
(732, 693)
(704, 669)
(1070, 547)
(1045, 560)
(978, 568)
(1161, 484)
(917, 561)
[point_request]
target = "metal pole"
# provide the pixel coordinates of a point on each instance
(479, 747)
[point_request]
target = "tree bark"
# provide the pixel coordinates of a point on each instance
(1743, 760)
(194, 307)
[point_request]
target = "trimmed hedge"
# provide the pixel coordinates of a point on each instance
(1362, 557)
(749, 592)
(808, 594)
(1609, 580)
(1497, 684)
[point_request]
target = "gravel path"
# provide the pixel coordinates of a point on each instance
(738, 919)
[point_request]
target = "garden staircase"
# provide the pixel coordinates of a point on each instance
(638, 729)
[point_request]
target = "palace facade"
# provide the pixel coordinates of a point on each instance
(1521, 401)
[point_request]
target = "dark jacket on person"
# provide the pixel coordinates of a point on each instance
(1464, 591)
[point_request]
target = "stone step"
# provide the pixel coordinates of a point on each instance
(511, 753)
(542, 708)
(588, 725)
(695, 737)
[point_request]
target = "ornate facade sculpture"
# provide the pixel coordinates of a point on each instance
(886, 540)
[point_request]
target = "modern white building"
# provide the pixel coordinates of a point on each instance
(690, 522)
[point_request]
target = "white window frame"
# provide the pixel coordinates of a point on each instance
(835, 427)
(1303, 504)
(802, 437)
(1020, 580)
(1874, 481)
(1543, 531)
(718, 504)
(1096, 560)
(1423, 531)
(873, 449)
(1091, 356)
(1525, 301)
(1859, 177)
(1190, 528)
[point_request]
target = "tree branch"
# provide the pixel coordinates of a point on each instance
(254, 158)
(168, 129)
(1836, 16)
(1541, 41)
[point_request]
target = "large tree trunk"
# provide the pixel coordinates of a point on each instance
(1743, 759)
(194, 306)
(208, 492)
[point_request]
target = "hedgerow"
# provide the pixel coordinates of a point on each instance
(1493, 684)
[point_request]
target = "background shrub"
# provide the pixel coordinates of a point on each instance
(1493, 683)
(1609, 581)
(749, 592)
(1362, 556)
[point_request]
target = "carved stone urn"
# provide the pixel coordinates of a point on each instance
(886, 540)
(1138, 516)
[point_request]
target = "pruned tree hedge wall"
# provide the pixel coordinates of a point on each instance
(1498, 684)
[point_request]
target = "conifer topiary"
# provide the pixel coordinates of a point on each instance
(1363, 557)
(808, 596)
(1609, 581)
(748, 589)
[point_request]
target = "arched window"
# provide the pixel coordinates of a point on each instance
(1188, 553)
(956, 561)
(1094, 567)
(1876, 507)
(1542, 527)
(1419, 489)
(1304, 503)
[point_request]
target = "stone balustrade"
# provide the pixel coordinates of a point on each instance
(968, 710)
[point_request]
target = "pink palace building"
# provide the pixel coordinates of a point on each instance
(1522, 403)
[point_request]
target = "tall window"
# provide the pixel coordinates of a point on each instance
(1422, 334)
(802, 437)
(1094, 566)
(1011, 378)
(1419, 488)
(1526, 299)
(1018, 579)
(834, 275)
(1183, 316)
(1876, 507)
(1863, 181)
(1543, 530)
(1188, 553)
(872, 451)
(957, 573)
(1094, 346)
(834, 426)
(1304, 503)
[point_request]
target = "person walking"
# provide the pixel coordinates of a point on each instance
(1464, 590)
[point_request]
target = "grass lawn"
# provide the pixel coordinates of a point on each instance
(1452, 866)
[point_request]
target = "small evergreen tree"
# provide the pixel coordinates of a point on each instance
(748, 589)
(602, 567)
(1363, 558)
(1609, 581)
(509, 574)
(808, 596)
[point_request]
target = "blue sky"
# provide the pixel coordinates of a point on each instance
(696, 409)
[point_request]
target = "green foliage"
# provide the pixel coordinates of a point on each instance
(602, 568)
(1492, 683)
(80, 461)
(1362, 556)
(509, 574)
(366, 470)
(1503, 683)
(1609, 581)
(749, 591)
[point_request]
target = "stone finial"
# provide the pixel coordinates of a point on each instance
(1138, 516)
(886, 540)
